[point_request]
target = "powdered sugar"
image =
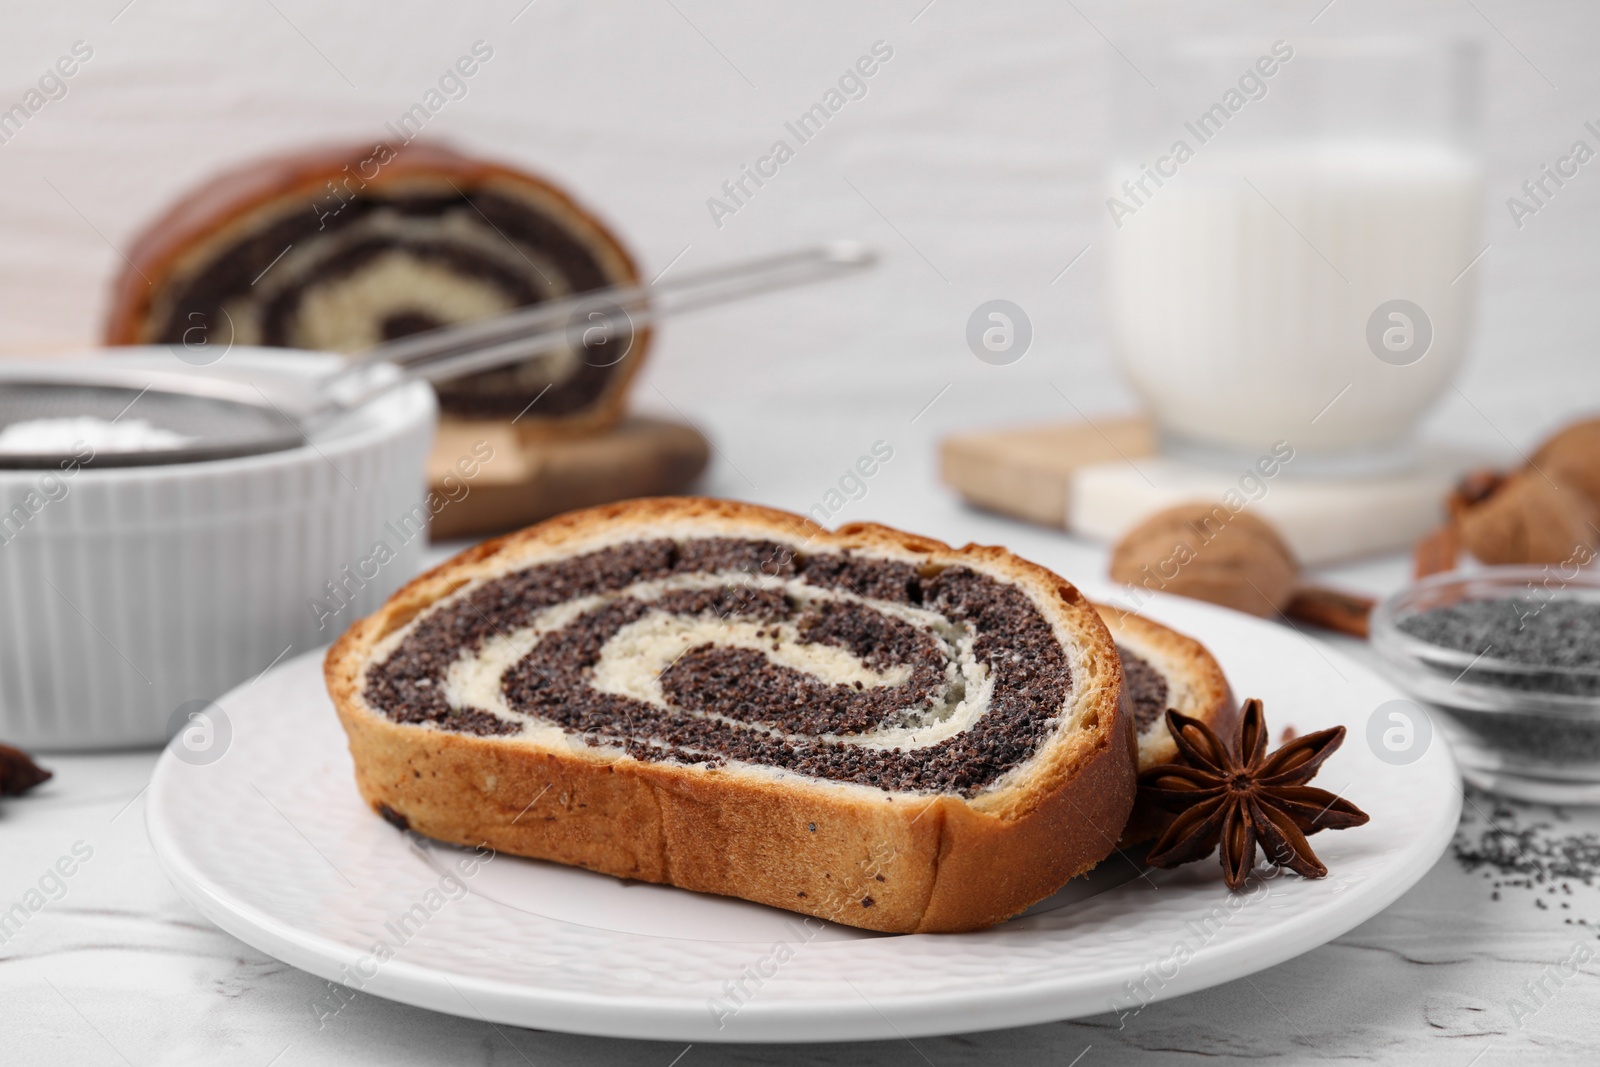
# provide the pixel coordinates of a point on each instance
(62, 435)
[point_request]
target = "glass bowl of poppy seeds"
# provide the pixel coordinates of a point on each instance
(1510, 658)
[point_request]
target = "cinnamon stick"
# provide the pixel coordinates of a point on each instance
(1331, 609)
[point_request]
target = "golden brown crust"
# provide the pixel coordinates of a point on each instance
(208, 218)
(892, 862)
(1196, 687)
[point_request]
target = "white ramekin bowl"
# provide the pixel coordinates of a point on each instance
(129, 594)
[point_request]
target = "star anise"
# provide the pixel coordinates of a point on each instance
(1240, 798)
(18, 772)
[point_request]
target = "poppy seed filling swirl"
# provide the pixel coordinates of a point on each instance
(830, 665)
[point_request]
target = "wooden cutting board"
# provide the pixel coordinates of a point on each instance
(1027, 471)
(491, 476)
(1100, 479)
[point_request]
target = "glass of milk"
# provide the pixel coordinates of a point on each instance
(1294, 227)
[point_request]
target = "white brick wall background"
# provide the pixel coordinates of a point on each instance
(972, 163)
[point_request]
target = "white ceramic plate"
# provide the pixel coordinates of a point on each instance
(272, 843)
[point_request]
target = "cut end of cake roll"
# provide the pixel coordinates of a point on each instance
(1163, 669)
(340, 249)
(862, 725)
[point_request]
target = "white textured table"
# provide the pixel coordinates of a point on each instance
(974, 163)
(121, 969)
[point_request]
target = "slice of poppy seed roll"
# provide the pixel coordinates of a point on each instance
(1163, 669)
(863, 725)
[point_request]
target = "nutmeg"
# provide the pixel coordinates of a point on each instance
(1208, 552)
(1529, 518)
(1572, 458)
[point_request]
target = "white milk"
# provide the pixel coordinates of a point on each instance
(1239, 331)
